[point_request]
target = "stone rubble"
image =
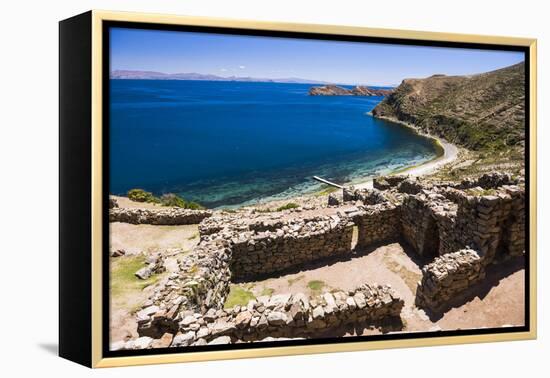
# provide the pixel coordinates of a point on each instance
(155, 264)
(277, 316)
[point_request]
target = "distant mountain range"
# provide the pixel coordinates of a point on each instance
(152, 75)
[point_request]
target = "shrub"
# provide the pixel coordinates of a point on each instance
(140, 195)
(288, 206)
(266, 210)
(193, 206)
(171, 199)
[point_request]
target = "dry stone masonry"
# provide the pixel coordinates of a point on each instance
(448, 276)
(460, 228)
(278, 316)
(168, 216)
(292, 244)
(376, 224)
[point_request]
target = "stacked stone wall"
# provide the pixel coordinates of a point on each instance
(265, 251)
(278, 316)
(464, 229)
(492, 223)
(201, 283)
(446, 277)
(377, 223)
(169, 216)
(426, 222)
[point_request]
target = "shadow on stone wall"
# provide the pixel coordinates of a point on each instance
(494, 274)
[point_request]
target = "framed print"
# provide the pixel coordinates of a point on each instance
(235, 189)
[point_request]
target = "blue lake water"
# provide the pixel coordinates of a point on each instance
(233, 143)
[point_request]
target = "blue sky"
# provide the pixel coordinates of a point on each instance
(267, 57)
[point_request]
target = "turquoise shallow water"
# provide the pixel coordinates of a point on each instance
(233, 143)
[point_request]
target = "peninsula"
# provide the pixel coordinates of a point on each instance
(360, 90)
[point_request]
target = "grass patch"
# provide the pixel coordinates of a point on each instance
(327, 191)
(123, 281)
(292, 281)
(238, 296)
(267, 291)
(481, 192)
(316, 285)
(194, 236)
(288, 206)
(266, 210)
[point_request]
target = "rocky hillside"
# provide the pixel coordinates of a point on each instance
(335, 90)
(480, 112)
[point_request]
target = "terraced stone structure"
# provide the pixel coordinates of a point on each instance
(461, 228)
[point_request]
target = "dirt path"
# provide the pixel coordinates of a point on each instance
(137, 238)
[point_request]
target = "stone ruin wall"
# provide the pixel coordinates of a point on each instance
(420, 226)
(241, 251)
(482, 219)
(484, 229)
(170, 216)
(277, 316)
(233, 248)
(493, 225)
(454, 219)
(446, 277)
(377, 224)
(201, 283)
(258, 253)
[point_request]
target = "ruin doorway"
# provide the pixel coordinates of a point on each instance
(431, 239)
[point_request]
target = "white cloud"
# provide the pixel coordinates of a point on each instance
(223, 69)
(242, 67)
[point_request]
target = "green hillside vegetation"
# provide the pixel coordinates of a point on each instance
(168, 199)
(484, 112)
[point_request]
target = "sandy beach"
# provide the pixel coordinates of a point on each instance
(450, 153)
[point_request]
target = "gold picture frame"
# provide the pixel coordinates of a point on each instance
(95, 21)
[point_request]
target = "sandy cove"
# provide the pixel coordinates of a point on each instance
(450, 153)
